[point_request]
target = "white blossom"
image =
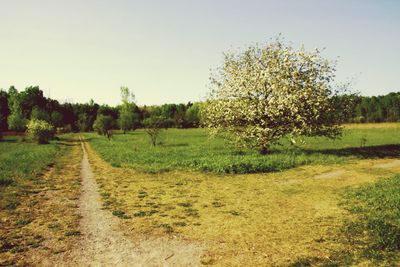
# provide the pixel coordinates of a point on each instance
(267, 92)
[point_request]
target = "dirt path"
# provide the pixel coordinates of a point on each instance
(104, 244)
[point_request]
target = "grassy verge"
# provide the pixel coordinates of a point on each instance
(38, 200)
(375, 230)
(191, 149)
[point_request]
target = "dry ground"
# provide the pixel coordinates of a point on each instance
(102, 242)
(46, 222)
(259, 219)
(60, 222)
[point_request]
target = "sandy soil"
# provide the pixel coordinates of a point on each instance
(392, 164)
(330, 175)
(104, 244)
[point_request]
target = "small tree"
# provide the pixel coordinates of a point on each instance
(192, 116)
(83, 122)
(127, 117)
(154, 126)
(103, 125)
(40, 131)
(272, 91)
(16, 121)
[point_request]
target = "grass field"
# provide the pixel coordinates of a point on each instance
(191, 149)
(323, 203)
(308, 215)
(37, 193)
(20, 160)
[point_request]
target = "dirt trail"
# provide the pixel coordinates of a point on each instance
(104, 244)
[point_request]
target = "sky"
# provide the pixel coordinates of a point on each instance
(163, 50)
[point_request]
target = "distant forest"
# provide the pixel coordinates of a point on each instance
(383, 108)
(81, 116)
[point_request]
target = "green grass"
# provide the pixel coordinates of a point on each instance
(191, 149)
(375, 230)
(372, 232)
(21, 161)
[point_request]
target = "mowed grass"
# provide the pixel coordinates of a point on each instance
(192, 149)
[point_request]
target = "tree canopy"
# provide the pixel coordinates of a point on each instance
(128, 111)
(270, 91)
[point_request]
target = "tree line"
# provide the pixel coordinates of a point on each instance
(17, 107)
(383, 108)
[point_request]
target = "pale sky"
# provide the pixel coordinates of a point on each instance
(163, 50)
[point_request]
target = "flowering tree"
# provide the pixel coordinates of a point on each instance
(267, 92)
(41, 131)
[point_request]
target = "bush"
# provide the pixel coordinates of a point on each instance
(103, 125)
(40, 131)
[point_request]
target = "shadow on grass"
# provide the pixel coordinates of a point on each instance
(9, 141)
(175, 145)
(345, 260)
(382, 151)
(125, 134)
(68, 143)
(74, 141)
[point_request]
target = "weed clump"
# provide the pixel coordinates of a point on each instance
(72, 233)
(120, 214)
(167, 228)
(139, 214)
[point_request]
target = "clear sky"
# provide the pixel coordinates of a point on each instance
(163, 50)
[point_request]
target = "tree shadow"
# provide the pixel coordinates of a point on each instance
(176, 145)
(67, 141)
(9, 140)
(125, 134)
(368, 152)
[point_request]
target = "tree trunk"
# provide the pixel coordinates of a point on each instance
(263, 150)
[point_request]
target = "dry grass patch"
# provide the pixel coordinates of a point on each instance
(249, 220)
(45, 223)
(383, 125)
